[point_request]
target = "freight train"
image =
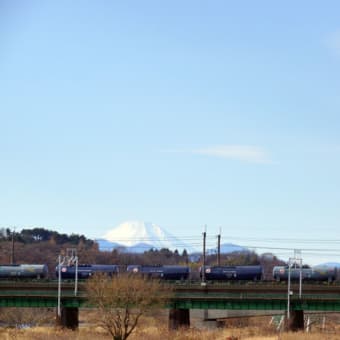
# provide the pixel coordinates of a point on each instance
(162, 272)
(175, 273)
(24, 271)
(85, 271)
(318, 273)
(224, 273)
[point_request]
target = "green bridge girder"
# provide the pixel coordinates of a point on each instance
(45, 295)
(39, 302)
(258, 304)
(187, 303)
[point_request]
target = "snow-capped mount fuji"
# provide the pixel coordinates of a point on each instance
(137, 236)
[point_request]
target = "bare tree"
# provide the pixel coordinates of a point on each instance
(123, 299)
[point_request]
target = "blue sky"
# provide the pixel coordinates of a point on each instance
(181, 113)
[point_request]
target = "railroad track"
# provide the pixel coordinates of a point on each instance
(31, 286)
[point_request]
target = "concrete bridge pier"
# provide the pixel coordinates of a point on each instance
(69, 318)
(296, 321)
(179, 318)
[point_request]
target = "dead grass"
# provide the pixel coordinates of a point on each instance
(155, 327)
(21, 317)
(159, 333)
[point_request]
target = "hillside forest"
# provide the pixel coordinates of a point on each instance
(42, 246)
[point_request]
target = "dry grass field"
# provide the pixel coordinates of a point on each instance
(157, 333)
(155, 327)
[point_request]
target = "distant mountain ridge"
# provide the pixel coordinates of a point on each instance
(329, 264)
(138, 237)
(138, 248)
(227, 248)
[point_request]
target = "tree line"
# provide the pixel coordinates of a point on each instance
(39, 245)
(37, 235)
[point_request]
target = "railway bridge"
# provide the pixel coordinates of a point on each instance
(253, 296)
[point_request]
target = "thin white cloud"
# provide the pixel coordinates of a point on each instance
(333, 42)
(248, 153)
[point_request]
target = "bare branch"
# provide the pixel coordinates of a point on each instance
(123, 299)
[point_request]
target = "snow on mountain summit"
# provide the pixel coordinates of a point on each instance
(132, 233)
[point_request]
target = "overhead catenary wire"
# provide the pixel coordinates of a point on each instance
(287, 245)
(212, 245)
(231, 237)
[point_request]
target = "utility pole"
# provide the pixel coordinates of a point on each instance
(59, 286)
(70, 259)
(12, 251)
(289, 292)
(203, 266)
(298, 258)
(219, 248)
